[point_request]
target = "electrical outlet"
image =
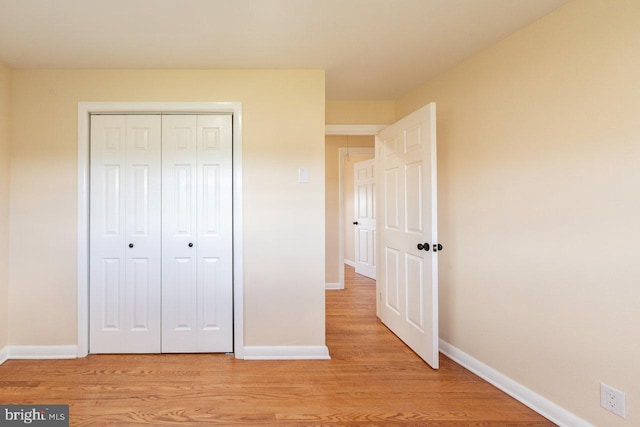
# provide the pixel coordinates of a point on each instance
(613, 400)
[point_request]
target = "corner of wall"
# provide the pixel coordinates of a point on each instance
(4, 354)
(5, 116)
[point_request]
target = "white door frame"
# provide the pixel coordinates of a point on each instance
(85, 109)
(340, 130)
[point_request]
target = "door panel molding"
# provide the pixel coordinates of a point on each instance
(85, 109)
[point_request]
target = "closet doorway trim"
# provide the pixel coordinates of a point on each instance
(85, 109)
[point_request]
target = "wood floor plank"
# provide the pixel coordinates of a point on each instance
(372, 379)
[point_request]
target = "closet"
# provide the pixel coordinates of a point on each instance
(161, 234)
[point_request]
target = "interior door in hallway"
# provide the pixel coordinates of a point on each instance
(407, 234)
(124, 272)
(197, 265)
(364, 206)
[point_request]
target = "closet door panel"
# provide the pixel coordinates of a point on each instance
(179, 270)
(143, 229)
(197, 234)
(125, 234)
(215, 266)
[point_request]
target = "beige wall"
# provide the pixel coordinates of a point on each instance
(283, 220)
(350, 112)
(539, 206)
(5, 107)
(332, 200)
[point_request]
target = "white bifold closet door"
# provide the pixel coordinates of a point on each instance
(125, 260)
(197, 268)
(161, 234)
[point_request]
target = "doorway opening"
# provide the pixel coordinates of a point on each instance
(344, 144)
(407, 239)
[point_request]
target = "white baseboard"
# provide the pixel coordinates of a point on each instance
(333, 286)
(533, 400)
(317, 352)
(4, 355)
(41, 351)
(350, 263)
(303, 352)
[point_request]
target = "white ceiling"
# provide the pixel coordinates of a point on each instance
(370, 49)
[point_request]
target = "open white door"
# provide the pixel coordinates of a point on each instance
(364, 206)
(407, 282)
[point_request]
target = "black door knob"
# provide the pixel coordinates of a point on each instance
(130, 245)
(424, 246)
(190, 244)
(355, 222)
(439, 247)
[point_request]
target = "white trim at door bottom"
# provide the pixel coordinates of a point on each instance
(287, 352)
(530, 398)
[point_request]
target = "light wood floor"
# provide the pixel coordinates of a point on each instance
(372, 379)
